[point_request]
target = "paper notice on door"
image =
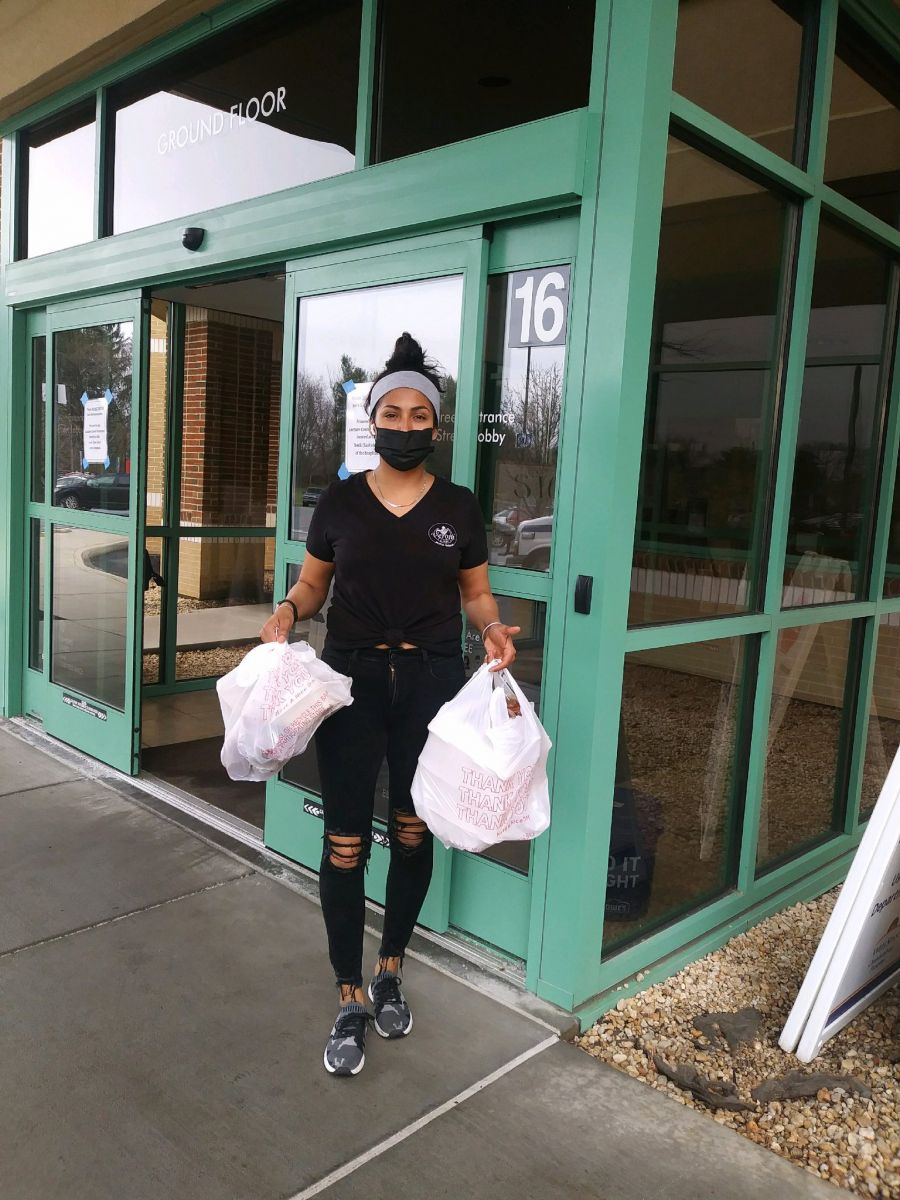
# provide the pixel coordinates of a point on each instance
(96, 412)
(359, 444)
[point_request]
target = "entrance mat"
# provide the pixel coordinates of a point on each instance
(195, 767)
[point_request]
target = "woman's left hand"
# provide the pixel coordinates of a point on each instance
(498, 643)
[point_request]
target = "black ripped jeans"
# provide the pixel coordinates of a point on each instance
(395, 694)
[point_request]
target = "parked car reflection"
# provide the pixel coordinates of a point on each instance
(531, 544)
(80, 490)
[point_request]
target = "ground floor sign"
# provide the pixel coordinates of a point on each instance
(858, 957)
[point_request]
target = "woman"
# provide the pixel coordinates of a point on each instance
(403, 547)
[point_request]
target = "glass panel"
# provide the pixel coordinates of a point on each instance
(883, 738)
(154, 600)
(836, 461)
(863, 155)
(60, 161)
(157, 412)
(711, 389)
(92, 418)
(36, 596)
(500, 64)
(679, 788)
(725, 48)
(89, 615)
(225, 590)
(809, 735)
(518, 426)
(345, 337)
(531, 615)
(38, 418)
(267, 105)
(232, 397)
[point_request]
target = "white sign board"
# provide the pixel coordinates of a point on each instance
(858, 957)
(359, 444)
(96, 411)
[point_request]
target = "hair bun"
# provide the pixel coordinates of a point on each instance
(408, 355)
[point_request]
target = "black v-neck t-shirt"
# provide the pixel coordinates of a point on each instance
(395, 578)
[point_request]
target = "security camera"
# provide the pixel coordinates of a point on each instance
(192, 238)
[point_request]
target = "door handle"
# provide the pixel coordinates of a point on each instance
(584, 587)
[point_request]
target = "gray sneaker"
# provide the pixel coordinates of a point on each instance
(345, 1050)
(392, 1016)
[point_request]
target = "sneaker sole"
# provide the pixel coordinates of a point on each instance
(341, 1074)
(391, 1037)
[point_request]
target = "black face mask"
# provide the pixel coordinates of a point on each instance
(404, 449)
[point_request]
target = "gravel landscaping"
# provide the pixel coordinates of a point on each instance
(840, 1135)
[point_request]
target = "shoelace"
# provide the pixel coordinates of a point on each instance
(387, 990)
(351, 1024)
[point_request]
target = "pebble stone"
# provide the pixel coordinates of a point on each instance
(852, 1141)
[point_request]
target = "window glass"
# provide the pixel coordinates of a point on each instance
(36, 596)
(89, 616)
(836, 460)
(883, 739)
(863, 154)
(92, 418)
(153, 644)
(38, 418)
(809, 738)
(60, 161)
(157, 412)
(498, 64)
(343, 339)
(678, 795)
(710, 400)
(521, 405)
(726, 47)
(267, 105)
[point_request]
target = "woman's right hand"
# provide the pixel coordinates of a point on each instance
(279, 625)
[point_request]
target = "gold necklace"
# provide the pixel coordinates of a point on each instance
(409, 503)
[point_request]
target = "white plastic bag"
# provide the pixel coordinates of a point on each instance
(272, 703)
(482, 776)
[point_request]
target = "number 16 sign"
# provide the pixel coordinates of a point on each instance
(538, 307)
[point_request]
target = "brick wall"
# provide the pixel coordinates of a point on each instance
(232, 378)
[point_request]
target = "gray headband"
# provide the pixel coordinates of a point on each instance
(405, 379)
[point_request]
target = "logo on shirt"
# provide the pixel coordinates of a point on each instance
(443, 535)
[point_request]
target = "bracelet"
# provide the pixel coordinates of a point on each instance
(293, 608)
(487, 627)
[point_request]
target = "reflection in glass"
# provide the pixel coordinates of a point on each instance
(711, 392)
(863, 154)
(224, 599)
(809, 736)
(518, 425)
(345, 337)
(36, 595)
(60, 161)
(836, 463)
(722, 52)
(92, 418)
(679, 783)
(154, 636)
(501, 64)
(883, 739)
(157, 412)
(38, 418)
(229, 436)
(89, 614)
(531, 615)
(269, 104)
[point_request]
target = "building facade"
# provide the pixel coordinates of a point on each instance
(655, 248)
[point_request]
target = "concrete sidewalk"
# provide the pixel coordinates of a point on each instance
(163, 1008)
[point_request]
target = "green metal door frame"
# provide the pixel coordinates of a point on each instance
(66, 713)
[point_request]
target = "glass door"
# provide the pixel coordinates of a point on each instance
(84, 518)
(494, 314)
